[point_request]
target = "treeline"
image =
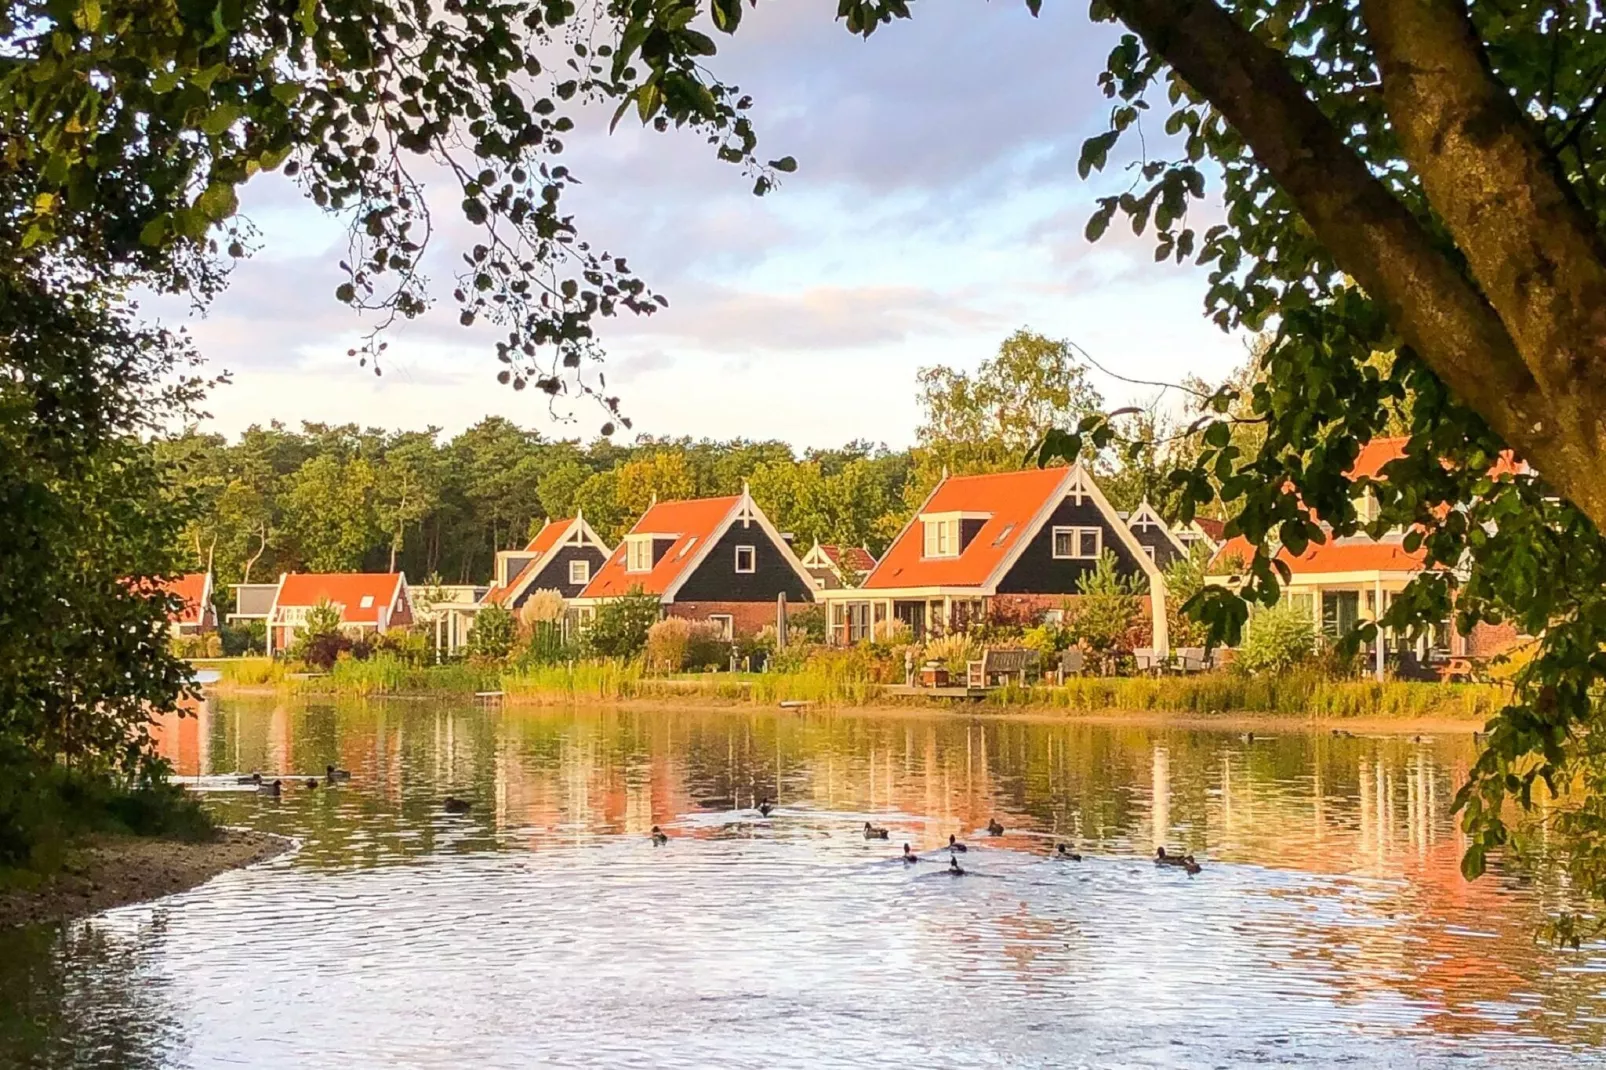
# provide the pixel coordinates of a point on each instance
(341, 498)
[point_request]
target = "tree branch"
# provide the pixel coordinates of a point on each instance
(1372, 236)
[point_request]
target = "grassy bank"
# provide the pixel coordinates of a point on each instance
(831, 684)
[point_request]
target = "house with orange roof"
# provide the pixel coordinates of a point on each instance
(368, 602)
(1011, 541)
(1201, 530)
(196, 614)
(833, 566)
(1350, 580)
(562, 557)
(714, 559)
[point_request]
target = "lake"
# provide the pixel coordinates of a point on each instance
(1329, 925)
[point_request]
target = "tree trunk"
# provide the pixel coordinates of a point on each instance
(262, 545)
(1493, 354)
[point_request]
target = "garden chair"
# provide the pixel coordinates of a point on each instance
(1190, 659)
(1071, 663)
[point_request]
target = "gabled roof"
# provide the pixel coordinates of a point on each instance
(345, 589)
(1012, 501)
(195, 589)
(1145, 514)
(1349, 554)
(1015, 506)
(553, 534)
(692, 524)
(1215, 529)
(1380, 451)
(859, 559)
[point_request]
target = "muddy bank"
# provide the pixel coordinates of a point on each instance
(107, 872)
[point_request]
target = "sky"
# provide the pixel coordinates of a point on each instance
(935, 210)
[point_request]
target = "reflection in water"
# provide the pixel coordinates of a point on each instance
(1330, 924)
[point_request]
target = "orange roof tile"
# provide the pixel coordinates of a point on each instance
(859, 559)
(1336, 555)
(689, 523)
(1009, 499)
(544, 540)
(1212, 527)
(192, 588)
(345, 589)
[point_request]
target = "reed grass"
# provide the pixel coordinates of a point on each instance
(843, 683)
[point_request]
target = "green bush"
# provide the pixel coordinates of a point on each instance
(409, 646)
(242, 640)
(619, 628)
(1107, 615)
(1277, 640)
(546, 645)
(493, 633)
(806, 624)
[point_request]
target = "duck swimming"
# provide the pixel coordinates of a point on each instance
(659, 839)
(954, 867)
(270, 790)
(254, 778)
(764, 807)
(454, 805)
(312, 782)
(1062, 851)
(1190, 866)
(994, 828)
(331, 773)
(909, 855)
(873, 833)
(1161, 858)
(955, 845)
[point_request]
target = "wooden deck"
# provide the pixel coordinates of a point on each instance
(905, 691)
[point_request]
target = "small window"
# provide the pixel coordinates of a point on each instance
(724, 622)
(1002, 535)
(684, 550)
(1148, 551)
(746, 560)
(1078, 544)
(367, 602)
(638, 555)
(579, 572)
(942, 538)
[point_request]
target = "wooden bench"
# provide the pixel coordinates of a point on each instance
(1006, 662)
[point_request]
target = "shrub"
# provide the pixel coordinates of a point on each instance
(546, 644)
(619, 628)
(891, 632)
(675, 644)
(493, 633)
(1277, 640)
(1048, 639)
(242, 640)
(410, 647)
(1184, 578)
(806, 624)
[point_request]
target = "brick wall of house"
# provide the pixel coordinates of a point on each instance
(1491, 640)
(747, 618)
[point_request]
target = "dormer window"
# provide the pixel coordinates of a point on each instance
(942, 537)
(638, 553)
(948, 533)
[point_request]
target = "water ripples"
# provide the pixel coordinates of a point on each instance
(544, 928)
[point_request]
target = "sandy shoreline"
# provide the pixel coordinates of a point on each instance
(110, 872)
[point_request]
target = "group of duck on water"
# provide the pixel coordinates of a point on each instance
(1062, 851)
(273, 789)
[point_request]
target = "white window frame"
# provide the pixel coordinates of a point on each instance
(1149, 552)
(638, 555)
(1075, 535)
(941, 537)
(752, 560)
(727, 624)
(580, 571)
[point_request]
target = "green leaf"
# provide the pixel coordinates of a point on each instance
(727, 14)
(786, 164)
(1095, 151)
(154, 232)
(218, 201)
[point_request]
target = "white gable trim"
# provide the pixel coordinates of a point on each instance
(1068, 486)
(1145, 512)
(747, 511)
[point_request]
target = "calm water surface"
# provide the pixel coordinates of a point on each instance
(1330, 926)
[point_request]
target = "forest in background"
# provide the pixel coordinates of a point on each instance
(344, 498)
